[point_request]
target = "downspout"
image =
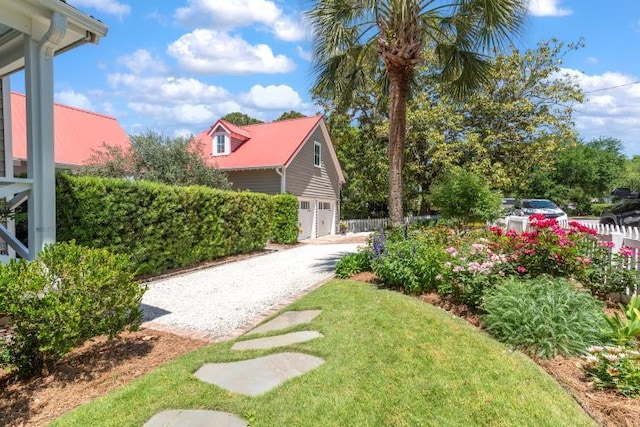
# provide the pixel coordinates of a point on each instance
(282, 171)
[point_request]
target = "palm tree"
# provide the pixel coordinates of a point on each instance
(356, 41)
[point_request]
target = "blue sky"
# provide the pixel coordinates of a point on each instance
(177, 66)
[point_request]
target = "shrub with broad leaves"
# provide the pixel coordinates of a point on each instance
(70, 294)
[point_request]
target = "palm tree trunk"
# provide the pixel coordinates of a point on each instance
(398, 90)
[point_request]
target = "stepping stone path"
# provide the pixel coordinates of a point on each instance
(277, 341)
(194, 418)
(256, 376)
(286, 320)
(250, 377)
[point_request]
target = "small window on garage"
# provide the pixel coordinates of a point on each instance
(326, 206)
(305, 205)
(317, 154)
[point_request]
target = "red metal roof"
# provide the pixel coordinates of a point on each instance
(77, 132)
(269, 144)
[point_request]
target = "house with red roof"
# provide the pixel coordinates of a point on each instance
(290, 156)
(77, 133)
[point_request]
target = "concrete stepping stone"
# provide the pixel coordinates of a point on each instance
(286, 320)
(195, 418)
(277, 341)
(256, 376)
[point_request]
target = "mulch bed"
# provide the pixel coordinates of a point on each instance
(92, 370)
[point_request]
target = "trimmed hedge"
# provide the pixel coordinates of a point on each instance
(285, 217)
(160, 226)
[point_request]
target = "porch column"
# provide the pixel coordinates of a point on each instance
(40, 134)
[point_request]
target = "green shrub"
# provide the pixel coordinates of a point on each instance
(409, 264)
(68, 295)
(285, 219)
(597, 208)
(465, 197)
(544, 316)
(353, 263)
(615, 367)
(160, 226)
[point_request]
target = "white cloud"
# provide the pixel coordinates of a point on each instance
(547, 8)
(304, 54)
(225, 15)
(112, 7)
(281, 97)
(592, 60)
(141, 61)
(213, 52)
(73, 99)
(159, 89)
(611, 109)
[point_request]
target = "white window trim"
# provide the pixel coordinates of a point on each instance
(317, 144)
(227, 144)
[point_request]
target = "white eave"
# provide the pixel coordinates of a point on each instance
(32, 17)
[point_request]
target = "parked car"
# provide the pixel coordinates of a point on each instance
(526, 207)
(624, 213)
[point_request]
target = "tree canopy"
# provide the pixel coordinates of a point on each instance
(240, 119)
(154, 157)
(357, 42)
(289, 115)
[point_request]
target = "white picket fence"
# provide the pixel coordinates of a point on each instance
(374, 224)
(620, 236)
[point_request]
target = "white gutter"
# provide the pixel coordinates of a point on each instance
(282, 171)
(83, 20)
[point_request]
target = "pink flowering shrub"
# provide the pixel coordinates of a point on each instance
(472, 267)
(547, 249)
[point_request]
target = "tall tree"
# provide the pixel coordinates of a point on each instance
(289, 115)
(154, 157)
(240, 119)
(387, 39)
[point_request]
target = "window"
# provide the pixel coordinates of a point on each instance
(326, 206)
(305, 205)
(317, 150)
(221, 144)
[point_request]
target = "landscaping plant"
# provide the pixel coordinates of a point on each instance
(464, 197)
(68, 295)
(544, 316)
(614, 367)
(353, 263)
(624, 331)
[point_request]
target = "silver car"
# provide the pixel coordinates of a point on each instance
(526, 207)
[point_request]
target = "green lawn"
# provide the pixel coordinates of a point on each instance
(391, 360)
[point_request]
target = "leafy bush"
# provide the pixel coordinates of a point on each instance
(68, 295)
(285, 219)
(547, 249)
(616, 367)
(161, 226)
(597, 208)
(409, 264)
(609, 273)
(464, 197)
(545, 316)
(353, 263)
(470, 270)
(625, 331)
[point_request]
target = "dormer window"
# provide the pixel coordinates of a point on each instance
(220, 144)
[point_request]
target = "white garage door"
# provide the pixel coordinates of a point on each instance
(325, 217)
(305, 218)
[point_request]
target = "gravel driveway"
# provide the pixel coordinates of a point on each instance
(221, 299)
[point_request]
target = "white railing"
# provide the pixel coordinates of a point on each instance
(374, 224)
